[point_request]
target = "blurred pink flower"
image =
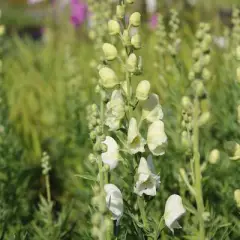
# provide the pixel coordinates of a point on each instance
(79, 12)
(153, 21)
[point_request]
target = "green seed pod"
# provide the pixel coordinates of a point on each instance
(108, 78)
(142, 90)
(135, 19)
(132, 63)
(206, 59)
(136, 41)
(109, 51)
(120, 11)
(113, 27)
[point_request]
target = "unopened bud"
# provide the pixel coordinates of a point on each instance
(142, 90)
(186, 103)
(108, 78)
(113, 27)
(132, 63)
(204, 118)
(109, 51)
(214, 156)
(206, 74)
(120, 11)
(191, 75)
(196, 53)
(104, 147)
(91, 158)
(135, 19)
(199, 88)
(136, 41)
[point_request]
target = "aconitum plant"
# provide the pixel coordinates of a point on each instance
(127, 131)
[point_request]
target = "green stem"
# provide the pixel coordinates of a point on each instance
(48, 188)
(160, 227)
(197, 170)
(140, 202)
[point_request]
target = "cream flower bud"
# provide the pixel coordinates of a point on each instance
(156, 138)
(108, 78)
(147, 182)
(174, 210)
(204, 118)
(2, 30)
(111, 156)
(132, 63)
(135, 141)
(238, 53)
(214, 156)
(113, 27)
(186, 103)
(152, 110)
(114, 201)
(142, 90)
(120, 11)
(237, 197)
(130, 1)
(135, 19)
(109, 51)
(238, 74)
(136, 41)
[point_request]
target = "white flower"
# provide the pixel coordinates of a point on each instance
(152, 110)
(147, 182)
(115, 110)
(111, 157)
(114, 201)
(157, 138)
(174, 210)
(135, 141)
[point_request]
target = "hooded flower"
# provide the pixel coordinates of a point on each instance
(147, 182)
(152, 110)
(111, 157)
(174, 210)
(115, 111)
(135, 141)
(114, 201)
(156, 138)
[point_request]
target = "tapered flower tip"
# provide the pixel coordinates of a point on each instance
(174, 210)
(114, 201)
(111, 156)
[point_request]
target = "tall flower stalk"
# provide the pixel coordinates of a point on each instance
(127, 129)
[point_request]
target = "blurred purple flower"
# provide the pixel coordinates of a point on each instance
(153, 21)
(79, 12)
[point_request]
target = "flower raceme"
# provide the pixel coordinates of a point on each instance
(174, 210)
(114, 201)
(147, 182)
